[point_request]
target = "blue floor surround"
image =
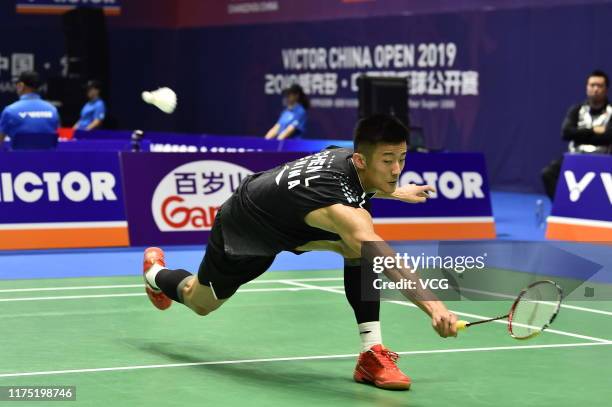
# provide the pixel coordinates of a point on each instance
(515, 215)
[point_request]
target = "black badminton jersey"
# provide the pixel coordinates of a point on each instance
(266, 213)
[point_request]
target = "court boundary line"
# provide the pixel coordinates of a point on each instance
(507, 296)
(294, 358)
(464, 314)
(113, 286)
(263, 281)
(271, 281)
(139, 294)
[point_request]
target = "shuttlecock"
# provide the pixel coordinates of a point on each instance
(163, 98)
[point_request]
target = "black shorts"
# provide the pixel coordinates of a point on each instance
(224, 272)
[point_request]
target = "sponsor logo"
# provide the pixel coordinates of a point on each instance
(577, 187)
(189, 197)
(73, 186)
(449, 184)
(36, 115)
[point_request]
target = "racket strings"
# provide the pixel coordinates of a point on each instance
(535, 310)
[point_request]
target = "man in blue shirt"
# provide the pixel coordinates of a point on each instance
(292, 121)
(94, 111)
(30, 114)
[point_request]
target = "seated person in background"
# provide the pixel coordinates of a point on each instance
(292, 121)
(30, 114)
(94, 111)
(587, 127)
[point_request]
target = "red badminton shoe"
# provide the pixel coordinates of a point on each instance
(154, 255)
(378, 367)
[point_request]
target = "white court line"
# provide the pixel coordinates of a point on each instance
(463, 314)
(328, 289)
(95, 287)
(71, 297)
(593, 310)
(86, 287)
(77, 297)
(553, 331)
(500, 295)
(314, 279)
(296, 358)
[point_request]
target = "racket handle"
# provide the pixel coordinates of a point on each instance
(461, 325)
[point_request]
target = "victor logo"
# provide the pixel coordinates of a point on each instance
(74, 186)
(36, 115)
(449, 184)
(576, 188)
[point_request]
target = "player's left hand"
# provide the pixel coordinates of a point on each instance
(412, 193)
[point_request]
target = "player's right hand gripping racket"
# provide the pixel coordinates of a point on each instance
(535, 308)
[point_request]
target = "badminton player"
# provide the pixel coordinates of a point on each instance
(319, 202)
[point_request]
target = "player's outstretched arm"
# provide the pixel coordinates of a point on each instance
(355, 226)
(410, 193)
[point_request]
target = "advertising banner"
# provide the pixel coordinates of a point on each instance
(459, 209)
(53, 200)
(173, 198)
(582, 209)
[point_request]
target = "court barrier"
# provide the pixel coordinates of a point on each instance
(582, 208)
(61, 200)
(73, 199)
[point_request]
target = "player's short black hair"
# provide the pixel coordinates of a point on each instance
(378, 128)
(600, 74)
(30, 79)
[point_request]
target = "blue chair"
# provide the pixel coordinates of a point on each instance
(34, 141)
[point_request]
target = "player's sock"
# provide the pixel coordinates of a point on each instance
(171, 282)
(370, 335)
(152, 273)
(365, 304)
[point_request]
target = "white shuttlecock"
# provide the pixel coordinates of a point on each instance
(163, 98)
